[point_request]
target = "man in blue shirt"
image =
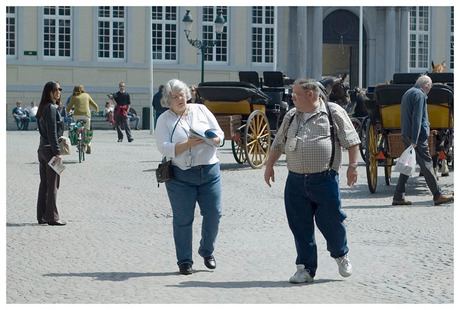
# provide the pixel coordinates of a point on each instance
(415, 130)
(20, 115)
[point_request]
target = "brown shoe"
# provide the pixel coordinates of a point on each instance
(443, 199)
(403, 202)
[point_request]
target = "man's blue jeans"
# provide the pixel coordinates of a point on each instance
(135, 119)
(200, 184)
(309, 198)
(22, 123)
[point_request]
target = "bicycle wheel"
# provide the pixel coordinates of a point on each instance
(80, 147)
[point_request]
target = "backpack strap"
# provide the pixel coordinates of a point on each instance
(332, 129)
(289, 124)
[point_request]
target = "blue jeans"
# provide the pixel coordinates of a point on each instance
(22, 123)
(135, 119)
(200, 184)
(309, 198)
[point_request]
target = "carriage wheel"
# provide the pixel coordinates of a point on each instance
(238, 151)
(389, 164)
(363, 137)
(357, 124)
(257, 139)
(371, 158)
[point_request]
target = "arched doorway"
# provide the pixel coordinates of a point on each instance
(341, 46)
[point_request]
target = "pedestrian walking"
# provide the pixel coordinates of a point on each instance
(196, 169)
(312, 135)
(122, 102)
(415, 130)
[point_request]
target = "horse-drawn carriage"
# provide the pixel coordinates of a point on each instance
(250, 111)
(248, 114)
(382, 138)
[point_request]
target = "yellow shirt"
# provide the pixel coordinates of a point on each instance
(81, 104)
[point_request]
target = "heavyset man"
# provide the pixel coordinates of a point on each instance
(313, 155)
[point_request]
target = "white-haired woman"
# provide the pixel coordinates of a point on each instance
(196, 172)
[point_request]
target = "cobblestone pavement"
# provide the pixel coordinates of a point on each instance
(118, 245)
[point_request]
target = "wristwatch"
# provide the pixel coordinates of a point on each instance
(354, 165)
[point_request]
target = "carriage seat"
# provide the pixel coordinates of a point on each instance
(232, 97)
(390, 94)
(250, 77)
(273, 79)
(440, 105)
(230, 91)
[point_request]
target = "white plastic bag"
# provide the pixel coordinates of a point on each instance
(406, 162)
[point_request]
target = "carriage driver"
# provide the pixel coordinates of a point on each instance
(312, 186)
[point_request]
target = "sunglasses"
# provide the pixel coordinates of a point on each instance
(60, 89)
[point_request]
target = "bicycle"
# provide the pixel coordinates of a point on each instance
(80, 137)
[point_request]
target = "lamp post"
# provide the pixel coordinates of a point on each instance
(203, 45)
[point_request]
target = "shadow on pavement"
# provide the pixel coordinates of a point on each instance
(21, 224)
(247, 284)
(113, 276)
(223, 167)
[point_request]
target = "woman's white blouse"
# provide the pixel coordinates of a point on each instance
(200, 119)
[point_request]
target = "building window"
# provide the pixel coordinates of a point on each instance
(452, 37)
(164, 33)
(111, 32)
(263, 34)
(419, 37)
(57, 32)
(11, 31)
(219, 52)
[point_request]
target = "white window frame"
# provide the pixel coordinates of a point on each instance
(165, 22)
(112, 21)
(419, 38)
(215, 54)
(264, 30)
(56, 37)
(11, 32)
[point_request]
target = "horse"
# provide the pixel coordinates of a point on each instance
(444, 137)
(335, 89)
(441, 68)
(357, 107)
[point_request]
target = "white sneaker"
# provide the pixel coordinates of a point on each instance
(345, 268)
(302, 275)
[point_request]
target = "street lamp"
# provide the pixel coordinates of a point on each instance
(203, 45)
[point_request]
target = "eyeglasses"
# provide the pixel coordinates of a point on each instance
(59, 89)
